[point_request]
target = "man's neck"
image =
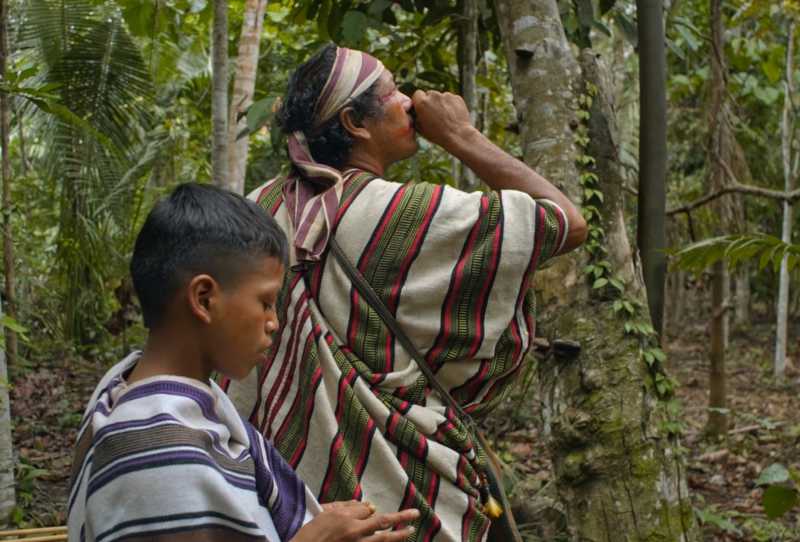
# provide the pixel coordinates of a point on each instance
(164, 355)
(367, 162)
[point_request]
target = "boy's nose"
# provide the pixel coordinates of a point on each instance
(407, 103)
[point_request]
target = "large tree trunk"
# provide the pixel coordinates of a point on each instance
(617, 475)
(787, 132)
(8, 242)
(219, 95)
(244, 85)
(7, 498)
(719, 152)
(467, 70)
(652, 154)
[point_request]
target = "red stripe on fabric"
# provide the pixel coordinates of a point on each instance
(345, 205)
(405, 266)
(475, 383)
(466, 519)
(352, 330)
(316, 379)
(430, 499)
(288, 359)
(480, 309)
(292, 361)
(344, 383)
(224, 383)
(455, 285)
(361, 462)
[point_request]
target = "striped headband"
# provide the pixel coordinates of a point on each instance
(313, 191)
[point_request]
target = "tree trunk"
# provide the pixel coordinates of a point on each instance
(719, 151)
(787, 132)
(652, 154)
(467, 70)
(219, 98)
(717, 397)
(616, 474)
(244, 85)
(742, 300)
(8, 245)
(7, 498)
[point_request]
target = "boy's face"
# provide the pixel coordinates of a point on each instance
(244, 319)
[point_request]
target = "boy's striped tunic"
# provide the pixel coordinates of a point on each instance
(341, 399)
(169, 458)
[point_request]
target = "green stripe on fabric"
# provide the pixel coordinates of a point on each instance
(474, 280)
(383, 268)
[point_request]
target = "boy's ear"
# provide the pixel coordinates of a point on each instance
(203, 292)
(355, 129)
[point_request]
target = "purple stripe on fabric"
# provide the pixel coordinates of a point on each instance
(302, 229)
(368, 65)
(298, 151)
(167, 459)
(333, 78)
(167, 387)
(289, 507)
(118, 426)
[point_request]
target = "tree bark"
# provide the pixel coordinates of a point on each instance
(7, 498)
(8, 242)
(652, 154)
(787, 132)
(616, 474)
(719, 152)
(467, 69)
(717, 389)
(244, 85)
(742, 300)
(219, 97)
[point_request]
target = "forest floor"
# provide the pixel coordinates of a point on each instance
(48, 402)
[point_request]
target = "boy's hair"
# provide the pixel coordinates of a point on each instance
(199, 229)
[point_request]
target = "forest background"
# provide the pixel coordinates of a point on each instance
(661, 403)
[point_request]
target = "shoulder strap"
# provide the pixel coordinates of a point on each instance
(371, 297)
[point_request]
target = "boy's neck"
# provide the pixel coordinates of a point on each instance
(164, 355)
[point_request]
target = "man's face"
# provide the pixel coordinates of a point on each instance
(393, 134)
(245, 318)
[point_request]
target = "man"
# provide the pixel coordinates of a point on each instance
(340, 398)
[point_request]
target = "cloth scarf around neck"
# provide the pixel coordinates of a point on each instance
(312, 191)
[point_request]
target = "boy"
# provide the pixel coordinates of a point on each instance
(162, 453)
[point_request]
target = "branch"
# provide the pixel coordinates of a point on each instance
(737, 187)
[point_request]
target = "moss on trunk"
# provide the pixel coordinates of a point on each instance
(618, 473)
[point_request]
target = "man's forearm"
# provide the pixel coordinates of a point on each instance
(501, 171)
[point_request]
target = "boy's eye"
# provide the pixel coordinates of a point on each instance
(268, 305)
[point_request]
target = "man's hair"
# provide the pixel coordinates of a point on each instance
(199, 229)
(330, 143)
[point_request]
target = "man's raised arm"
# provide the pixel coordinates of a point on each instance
(443, 119)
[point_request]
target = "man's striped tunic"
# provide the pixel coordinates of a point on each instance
(340, 398)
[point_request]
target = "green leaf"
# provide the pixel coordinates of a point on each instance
(778, 500)
(354, 26)
(599, 283)
(10, 323)
(774, 474)
(259, 113)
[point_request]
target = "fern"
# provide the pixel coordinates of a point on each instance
(735, 250)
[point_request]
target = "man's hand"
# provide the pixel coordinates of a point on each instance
(442, 117)
(354, 521)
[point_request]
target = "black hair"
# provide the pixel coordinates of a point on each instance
(330, 143)
(199, 228)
